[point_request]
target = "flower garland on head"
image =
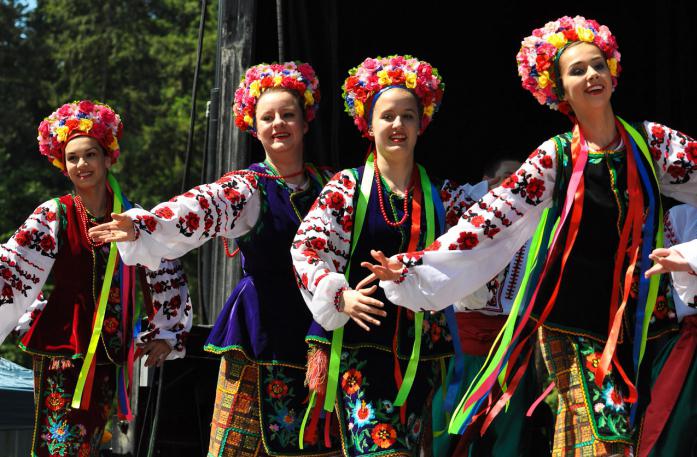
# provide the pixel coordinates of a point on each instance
(80, 118)
(374, 75)
(296, 76)
(539, 54)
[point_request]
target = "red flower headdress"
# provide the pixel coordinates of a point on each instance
(297, 76)
(80, 118)
(539, 53)
(374, 75)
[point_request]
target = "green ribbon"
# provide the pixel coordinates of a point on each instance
(654, 282)
(338, 334)
(101, 309)
(505, 336)
(413, 364)
(308, 411)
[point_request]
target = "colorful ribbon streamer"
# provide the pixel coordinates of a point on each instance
(83, 386)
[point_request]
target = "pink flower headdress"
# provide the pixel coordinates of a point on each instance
(296, 76)
(374, 75)
(80, 118)
(539, 54)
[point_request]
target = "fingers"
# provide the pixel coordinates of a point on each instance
(360, 323)
(101, 229)
(368, 279)
(656, 269)
(382, 273)
(368, 291)
(370, 302)
(380, 257)
(367, 318)
(156, 351)
(363, 319)
(659, 252)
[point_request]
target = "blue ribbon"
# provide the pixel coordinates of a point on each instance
(645, 264)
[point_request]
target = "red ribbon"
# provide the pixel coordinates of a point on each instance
(633, 223)
(414, 233)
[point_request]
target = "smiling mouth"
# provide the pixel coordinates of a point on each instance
(398, 138)
(280, 136)
(595, 89)
(84, 175)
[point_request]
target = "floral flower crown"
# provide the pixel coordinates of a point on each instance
(373, 75)
(297, 76)
(539, 54)
(80, 118)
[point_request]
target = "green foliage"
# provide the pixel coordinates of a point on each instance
(137, 56)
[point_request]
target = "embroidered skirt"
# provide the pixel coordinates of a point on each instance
(58, 428)
(370, 424)
(590, 421)
(258, 410)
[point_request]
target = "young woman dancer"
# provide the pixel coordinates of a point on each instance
(81, 339)
(379, 352)
(260, 331)
(591, 198)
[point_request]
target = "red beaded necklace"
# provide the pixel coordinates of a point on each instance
(378, 182)
(84, 221)
(258, 175)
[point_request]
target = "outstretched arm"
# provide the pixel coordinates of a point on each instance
(228, 207)
(480, 245)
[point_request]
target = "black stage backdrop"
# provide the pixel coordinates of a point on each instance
(485, 112)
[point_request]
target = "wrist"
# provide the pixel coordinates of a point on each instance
(339, 302)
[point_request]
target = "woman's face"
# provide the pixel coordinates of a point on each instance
(280, 123)
(86, 163)
(395, 123)
(586, 78)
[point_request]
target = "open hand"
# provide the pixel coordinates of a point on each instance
(361, 307)
(386, 270)
(120, 228)
(157, 351)
(667, 260)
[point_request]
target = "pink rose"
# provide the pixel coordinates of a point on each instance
(397, 61)
(65, 110)
(371, 64)
(86, 106)
(106, 115)
(43, 128)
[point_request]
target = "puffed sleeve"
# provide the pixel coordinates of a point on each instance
(228, 207)
(25, 262)
(172, 312)
(681, 235)
(675, 155)
(320, 250)
(482, 242)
